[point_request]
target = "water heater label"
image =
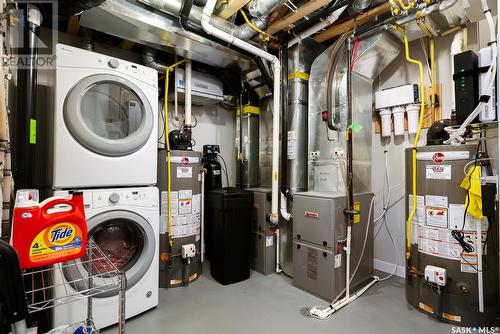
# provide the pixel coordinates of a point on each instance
(184, 172)
(440, 157)
(436, 217)
(438, 172)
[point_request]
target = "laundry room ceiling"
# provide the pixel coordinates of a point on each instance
(141, 24)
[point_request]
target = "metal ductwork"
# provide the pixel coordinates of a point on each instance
(173, 7)
(137, 22)
(258, 8)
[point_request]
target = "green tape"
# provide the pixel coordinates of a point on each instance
(356, 127)
(32, 131)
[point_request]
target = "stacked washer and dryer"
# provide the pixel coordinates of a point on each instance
(104, 142)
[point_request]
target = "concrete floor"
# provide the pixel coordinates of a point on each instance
(270, 304)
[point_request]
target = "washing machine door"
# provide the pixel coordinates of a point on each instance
(108, 115)
(127, 239)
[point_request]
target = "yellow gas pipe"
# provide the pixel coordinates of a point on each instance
(417, 137)
(167, 144)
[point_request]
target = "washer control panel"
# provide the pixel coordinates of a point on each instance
(142, 197)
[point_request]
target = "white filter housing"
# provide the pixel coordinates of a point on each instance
(397, 96)
(399, 120)
(489, 112)
(386, 117)
(205, 89)
(413, 112)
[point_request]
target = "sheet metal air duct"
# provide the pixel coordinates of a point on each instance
(173, 7)
(140, 23)
(258, 8)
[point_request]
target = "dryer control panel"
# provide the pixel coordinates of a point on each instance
(69, 56)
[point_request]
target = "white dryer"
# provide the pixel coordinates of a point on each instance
(124, 223)
(104, 126)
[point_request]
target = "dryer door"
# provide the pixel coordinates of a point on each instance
(127, 239)
(108, 115)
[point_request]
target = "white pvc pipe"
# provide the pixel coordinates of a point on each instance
(211, 30)
(278, 266)
(318, 26)
(187, 98)
(284, 209)
(479, 246)
(348, 263)
(176, 95)
(456, 48)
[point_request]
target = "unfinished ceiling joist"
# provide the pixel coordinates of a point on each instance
(346, 26)
(232, 7)
(287, 21)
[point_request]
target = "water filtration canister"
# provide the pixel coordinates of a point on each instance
(399, 120)
(413, 112)
(385, 116)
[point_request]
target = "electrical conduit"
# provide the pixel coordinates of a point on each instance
(415, 142)
(211, 30)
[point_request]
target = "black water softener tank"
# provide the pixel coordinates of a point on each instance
(213, 180)
(213, 174)
(229, 216)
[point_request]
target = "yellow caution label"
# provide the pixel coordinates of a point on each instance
(249, 110)
(451, 317)
(275, 176)
(426, 308)
(357, 217)
(175, 281)
(193, 277)
(299, 75)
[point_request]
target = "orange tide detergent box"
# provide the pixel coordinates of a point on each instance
(49, 232)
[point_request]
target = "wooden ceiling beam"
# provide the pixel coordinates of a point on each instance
(287, 21)
(359, 20)
(232, 7)
(73, 25)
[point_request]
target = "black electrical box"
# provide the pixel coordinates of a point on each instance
(229, 216)
(466, 77)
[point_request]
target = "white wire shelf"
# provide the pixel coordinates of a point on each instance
(93, 275)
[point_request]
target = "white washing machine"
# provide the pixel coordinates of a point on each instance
(124, 223)
(105, 122)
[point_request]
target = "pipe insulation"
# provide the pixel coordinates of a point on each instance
(210, 29)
